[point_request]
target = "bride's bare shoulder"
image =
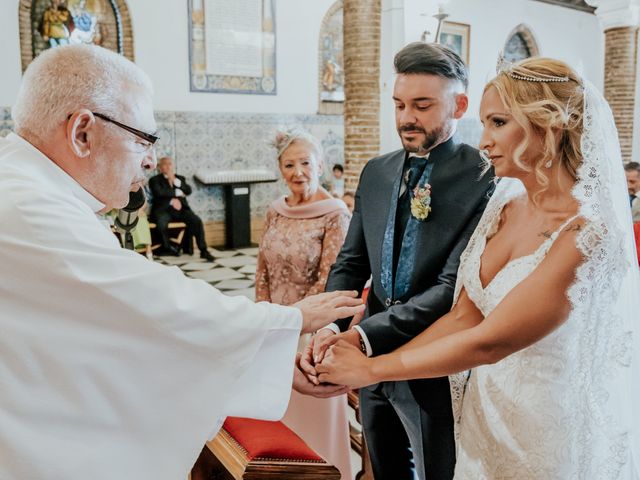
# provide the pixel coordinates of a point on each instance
(513, 208)
(565, 249)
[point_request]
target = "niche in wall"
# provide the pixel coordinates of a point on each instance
(47, 24)
(520, 44)
(331, 62)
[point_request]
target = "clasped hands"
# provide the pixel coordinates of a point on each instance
(332, 364)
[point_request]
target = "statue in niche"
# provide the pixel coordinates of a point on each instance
(86, 20)
(57, 24)
(331, 75)
(331, 59)
(48, 23)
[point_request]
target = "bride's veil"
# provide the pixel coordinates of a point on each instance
(603, 397)
(606, 299)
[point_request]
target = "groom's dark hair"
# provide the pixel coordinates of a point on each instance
(431, 59)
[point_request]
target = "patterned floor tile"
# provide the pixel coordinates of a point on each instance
(248, 270)
(248, 251)
(222, 253)
(216, 274)
(173, 260)
(250, 293)
(235, 284)
(193, 266)
(237, 261)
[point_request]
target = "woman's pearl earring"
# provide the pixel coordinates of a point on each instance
(548, 164)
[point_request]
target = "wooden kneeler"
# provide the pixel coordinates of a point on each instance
(247, 449)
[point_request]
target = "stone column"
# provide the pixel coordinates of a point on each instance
(361, 86)
(619, 20)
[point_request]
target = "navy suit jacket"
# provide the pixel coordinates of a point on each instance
(459, 196)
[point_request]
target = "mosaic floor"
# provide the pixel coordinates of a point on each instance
(233, 271)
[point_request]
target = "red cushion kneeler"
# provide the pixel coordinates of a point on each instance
(268, 440)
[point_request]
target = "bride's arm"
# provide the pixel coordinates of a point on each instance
(463, 315)
(532, 310)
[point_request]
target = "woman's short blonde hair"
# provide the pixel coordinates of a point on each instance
(544, 108)
(286, 137)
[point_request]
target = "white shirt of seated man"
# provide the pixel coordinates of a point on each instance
(110, 363)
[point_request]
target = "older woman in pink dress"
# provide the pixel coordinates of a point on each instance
(302, 236)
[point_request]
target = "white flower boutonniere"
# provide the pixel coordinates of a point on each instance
(421, 202)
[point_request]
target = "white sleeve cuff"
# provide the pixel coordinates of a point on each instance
(365, 340)
(333, 327)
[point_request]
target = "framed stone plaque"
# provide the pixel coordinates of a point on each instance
(232, 46)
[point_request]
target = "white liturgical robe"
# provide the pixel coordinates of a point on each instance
(112, 366)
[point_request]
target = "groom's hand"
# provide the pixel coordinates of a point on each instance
(351, 337)
(325, 308)
(308, 358)
(302, 384)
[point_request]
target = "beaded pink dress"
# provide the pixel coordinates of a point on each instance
(298, 247)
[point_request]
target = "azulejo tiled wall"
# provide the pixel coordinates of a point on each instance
(5, 121)
(230, 141)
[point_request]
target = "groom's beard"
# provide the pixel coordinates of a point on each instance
(432, 138)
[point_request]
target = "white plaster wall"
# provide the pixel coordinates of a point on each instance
(10, 70)
(562, 33)
(161, 43)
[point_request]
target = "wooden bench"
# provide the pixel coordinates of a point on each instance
(247, 449)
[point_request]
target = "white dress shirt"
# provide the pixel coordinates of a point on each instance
(111, 366)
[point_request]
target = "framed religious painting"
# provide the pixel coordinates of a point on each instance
(232, 46)
(456, 36)
(48, 24)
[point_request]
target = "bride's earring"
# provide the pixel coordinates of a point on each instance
(548, 164)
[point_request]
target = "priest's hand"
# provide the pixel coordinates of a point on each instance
(325, 308)
(301, 384)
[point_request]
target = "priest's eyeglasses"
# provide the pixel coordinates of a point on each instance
(148, 137)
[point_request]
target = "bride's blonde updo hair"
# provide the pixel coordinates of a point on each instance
(542, 105)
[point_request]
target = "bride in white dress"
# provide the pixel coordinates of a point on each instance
(546, 314)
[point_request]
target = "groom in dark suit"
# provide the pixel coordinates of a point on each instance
(415, 210)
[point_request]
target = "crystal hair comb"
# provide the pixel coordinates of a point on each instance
(507, 67)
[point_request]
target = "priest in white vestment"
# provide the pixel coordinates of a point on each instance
(111, 366)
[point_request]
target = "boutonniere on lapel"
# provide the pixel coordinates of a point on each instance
(421, 202)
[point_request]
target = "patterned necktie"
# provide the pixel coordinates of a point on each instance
(416, 167)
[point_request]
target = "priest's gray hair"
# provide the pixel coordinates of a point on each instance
(64, 79)
(285, 137)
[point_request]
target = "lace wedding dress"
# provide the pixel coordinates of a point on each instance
(561, 408)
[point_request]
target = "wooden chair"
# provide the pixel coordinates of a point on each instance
(176, 234)
(247, 449)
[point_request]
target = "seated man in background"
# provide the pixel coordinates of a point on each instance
(170, 205)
